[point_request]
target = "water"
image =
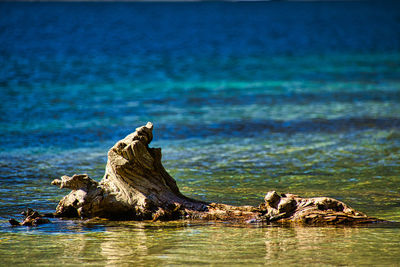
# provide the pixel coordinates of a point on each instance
(245, 97)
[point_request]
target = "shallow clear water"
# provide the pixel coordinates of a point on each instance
(155, 244)
(245, 98)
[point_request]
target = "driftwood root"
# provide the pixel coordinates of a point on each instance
(32, 218)
(136, 186)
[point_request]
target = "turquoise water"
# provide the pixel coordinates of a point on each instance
(245, 98)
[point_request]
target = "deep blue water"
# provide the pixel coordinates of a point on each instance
(245, 97)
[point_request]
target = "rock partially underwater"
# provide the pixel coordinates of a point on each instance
(136, 186)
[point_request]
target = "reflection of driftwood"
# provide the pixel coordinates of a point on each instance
(137, 187)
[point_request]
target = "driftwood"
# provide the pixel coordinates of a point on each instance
(32, 218)
(137, 187)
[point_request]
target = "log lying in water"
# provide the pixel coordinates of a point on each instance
(137, 187)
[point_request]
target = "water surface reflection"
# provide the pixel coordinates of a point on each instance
(184, 243)
(225, 245)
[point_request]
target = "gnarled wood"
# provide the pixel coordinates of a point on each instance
(136, 186)
(32, 218)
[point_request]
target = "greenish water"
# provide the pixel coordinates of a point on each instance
(299, 97)
(155, 244)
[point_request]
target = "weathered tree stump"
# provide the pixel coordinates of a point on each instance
(137, 187)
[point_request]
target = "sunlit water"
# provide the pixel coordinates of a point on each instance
(245, 98)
